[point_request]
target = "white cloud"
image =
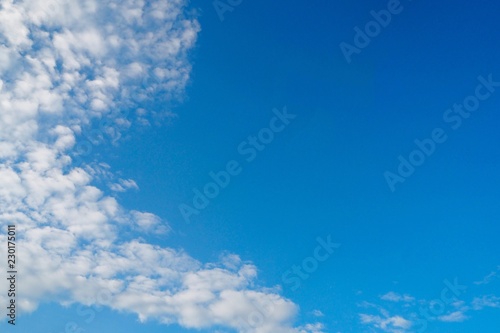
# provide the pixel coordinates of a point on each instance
(317, 313)
(395, 297)
(123, 185)
(409, 307)
(313, 328)
(489, 278)
(149, 223)
(456, 316)
(393, 324)
(384, 320)
(64, 65)
(489, 301)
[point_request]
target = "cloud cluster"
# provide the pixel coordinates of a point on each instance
(395, 297)
(403, 313)
(65, 64)
(387, 323)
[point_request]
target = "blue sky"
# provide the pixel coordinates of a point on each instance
(410, 256)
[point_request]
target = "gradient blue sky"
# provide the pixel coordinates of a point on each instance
(324, 174)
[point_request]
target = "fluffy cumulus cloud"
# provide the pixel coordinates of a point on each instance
(63, 65)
